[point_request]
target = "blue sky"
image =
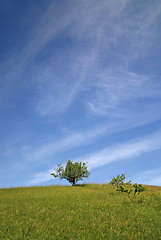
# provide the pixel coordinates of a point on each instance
(80, 80)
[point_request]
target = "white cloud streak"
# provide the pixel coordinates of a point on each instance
(124, 151)
(46, 29)
(108, 90)
(114, 95)
(71, 141)
(150, 177)
(41, 177)
(100, 26)
(80, 138)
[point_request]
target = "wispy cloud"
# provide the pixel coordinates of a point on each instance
(150, 177)
(114, 153)
(108, 87)
(124, 150)
(94, 29)
(119, 94)
(41, 177)
(49, 25)
(74, 140)
(77, 139)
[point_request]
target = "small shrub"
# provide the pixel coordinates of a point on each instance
(119, 180)
(138, 189)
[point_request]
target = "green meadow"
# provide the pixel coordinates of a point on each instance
(80, 212)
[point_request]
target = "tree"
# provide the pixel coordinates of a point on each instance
(73, 172)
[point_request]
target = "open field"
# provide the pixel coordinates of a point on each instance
(80, 212)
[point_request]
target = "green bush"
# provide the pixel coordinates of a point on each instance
(138, 188)
(119, 180)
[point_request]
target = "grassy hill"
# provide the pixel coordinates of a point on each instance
(80, 212)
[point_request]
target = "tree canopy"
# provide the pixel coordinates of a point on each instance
(73, 171)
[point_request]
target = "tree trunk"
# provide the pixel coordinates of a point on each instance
(73, 181)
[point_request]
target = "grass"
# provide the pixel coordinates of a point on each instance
(82, 212)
